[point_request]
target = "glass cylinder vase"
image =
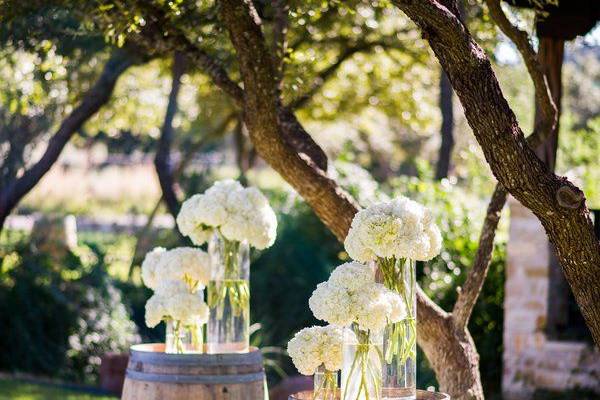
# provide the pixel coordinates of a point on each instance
(228, 296)
(183, 338)
(325, 384)
(400, 338)
(361, 366)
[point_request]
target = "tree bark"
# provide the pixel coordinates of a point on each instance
(558, 204)
(92, 101)
(162, 160)
(445, 153)
(550, 56)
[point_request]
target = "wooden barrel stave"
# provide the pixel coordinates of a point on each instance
(154, 375)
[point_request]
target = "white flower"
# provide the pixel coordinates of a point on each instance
(150, 275)
(317, 345)
(239, 213)
(173, 300)
(341, 300)
(399, 228)
(186, 262)
(352, 276)
(332, 304)
(181, 263)
(155, 311)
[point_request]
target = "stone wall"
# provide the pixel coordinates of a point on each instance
(531, 360)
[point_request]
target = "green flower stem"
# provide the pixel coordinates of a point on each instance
(327, 390)
(393, 278)
(368, 374)
(177, 337)
(230, 288)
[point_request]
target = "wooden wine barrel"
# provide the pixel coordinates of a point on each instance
(421, 395)
(154, 375)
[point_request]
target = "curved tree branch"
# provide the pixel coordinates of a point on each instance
(92, 101)
(162, 160)
(521, 40)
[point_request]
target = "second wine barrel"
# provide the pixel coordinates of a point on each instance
(153, 374)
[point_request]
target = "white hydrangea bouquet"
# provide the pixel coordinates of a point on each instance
(231, 218)
(352, 298)
(318, 351)
(393, 235)
(178, 278)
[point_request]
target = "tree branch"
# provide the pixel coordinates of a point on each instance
(326, 73)
(521, 40)
(162, 160)
(469, 293)
(92, 101)
(446, 132)
(280, 28)
(512, 161)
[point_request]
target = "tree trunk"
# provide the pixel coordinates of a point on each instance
(92, 101)
(558, 204)
(445, 153)
(162, 160)
(550, 55)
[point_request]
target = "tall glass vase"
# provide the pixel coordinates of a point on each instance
(400, 338)
(325, 384)
(228, 296)
(183, 338)
(361, 366)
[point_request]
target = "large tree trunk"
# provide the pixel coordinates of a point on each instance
(92, 101)
(162, 160)
(558, 204)
(446, 132)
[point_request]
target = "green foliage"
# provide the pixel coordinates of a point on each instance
(63, 313)
(284, 276)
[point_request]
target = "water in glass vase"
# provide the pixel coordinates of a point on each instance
(182, 338)
(325, 384)
(400, 338)
(228, 297)
(361, 367)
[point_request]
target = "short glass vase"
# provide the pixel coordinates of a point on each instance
(325, 384)
(228, 296)
(361, 366)
(183, 339)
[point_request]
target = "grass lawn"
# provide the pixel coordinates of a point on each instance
(19, 390)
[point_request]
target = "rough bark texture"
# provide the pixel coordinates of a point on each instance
(550, 58)
(559, 205)
(95, 98)
(446, 132)
(162, 160)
